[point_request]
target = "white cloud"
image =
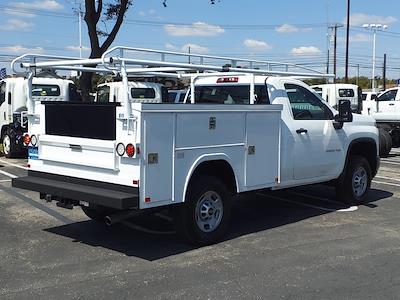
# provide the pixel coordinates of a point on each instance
(360, 38)
(170, 46)
(39, 4)
(195, 49)
(142, 13)
(19, 13)
(357, 38)
(76, 48)
(14, 24)
(310, 50)
(18, 49)
(152, 11)
(196, 29)
(286, 28)
(358, 19)
(256, 45)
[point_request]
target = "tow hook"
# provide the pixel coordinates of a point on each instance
(66, 203)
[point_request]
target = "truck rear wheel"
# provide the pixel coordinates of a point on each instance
(385, 143)
(9, 150)
(204, 216)
(356, 182)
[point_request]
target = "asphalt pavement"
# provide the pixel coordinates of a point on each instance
(295, 244)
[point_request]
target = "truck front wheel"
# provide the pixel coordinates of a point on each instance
(204, 216)
(356, 183)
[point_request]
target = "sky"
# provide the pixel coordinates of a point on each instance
(285, 30)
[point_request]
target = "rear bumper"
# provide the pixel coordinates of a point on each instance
(91, 191)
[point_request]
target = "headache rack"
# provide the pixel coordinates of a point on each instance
(126, 61)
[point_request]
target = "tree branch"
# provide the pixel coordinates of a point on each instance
(90, 19)
(99, 10)
(123, 8)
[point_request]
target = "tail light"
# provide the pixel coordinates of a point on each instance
(120, 149)
(27, 139)
(130, 150)
(34, 140)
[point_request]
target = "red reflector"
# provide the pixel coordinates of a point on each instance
(130, 150)
(27, 139)
(147, 199)
(135, 182)
(28, 165)
(227, 79)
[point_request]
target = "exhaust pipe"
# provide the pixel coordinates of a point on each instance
(120, 216)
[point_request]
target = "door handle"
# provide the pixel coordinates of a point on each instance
(301, 130)
(391, 104)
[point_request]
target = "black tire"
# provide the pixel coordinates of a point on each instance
(187, 220)
(97, 213)
(385, 143)
(346, 189)
(9, 147)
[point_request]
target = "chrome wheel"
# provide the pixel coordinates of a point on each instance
(6, 144)
(360, 181)
(209, 211)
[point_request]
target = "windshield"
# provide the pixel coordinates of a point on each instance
(2, 92)
(103, 94)
(230, 94)
(44, 90)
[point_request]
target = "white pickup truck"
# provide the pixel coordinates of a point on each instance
(385, 109)
(243, 130)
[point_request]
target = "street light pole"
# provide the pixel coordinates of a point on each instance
(373, 61)
(374, 28)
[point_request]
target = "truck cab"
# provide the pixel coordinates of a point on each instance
(142, 92)
(13, 107)
(314, 146)
(334, 92)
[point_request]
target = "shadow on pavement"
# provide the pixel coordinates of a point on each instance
(252, 212)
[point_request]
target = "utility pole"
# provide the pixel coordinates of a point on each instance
(346, 76)
(327, 63)
(189, 53)
(334, 28)
(80, 30)
(384, 72)
(358, 73)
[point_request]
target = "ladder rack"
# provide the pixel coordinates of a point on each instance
(124, 61)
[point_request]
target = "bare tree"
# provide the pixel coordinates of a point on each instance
(99, 14)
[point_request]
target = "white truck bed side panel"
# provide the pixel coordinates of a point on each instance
(263, 150)
(157, 141)
(193, 129)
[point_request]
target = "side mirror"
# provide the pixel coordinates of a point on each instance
(345, 113)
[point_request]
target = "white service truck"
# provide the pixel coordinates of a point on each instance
(333, 92)
(144, 92)
(243, 130)
(13, 98)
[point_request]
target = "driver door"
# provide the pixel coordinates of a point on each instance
(317, 148)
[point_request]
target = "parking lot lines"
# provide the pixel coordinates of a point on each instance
(8, 174)
(13, 164)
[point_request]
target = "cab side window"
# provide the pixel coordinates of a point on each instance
(388, 96)
(2, 93)
(305, 105)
